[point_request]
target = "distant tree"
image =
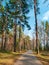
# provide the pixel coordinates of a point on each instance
(28, 43)
(43, 32)
(47, 33)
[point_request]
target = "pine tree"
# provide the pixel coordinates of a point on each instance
(36, 11)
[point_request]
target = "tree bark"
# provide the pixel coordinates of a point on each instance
(36, 27)
(6, 24)
(5, 41)
(2, 41)
(20, 37)
(47, 42)
(2, 45)
(15, 36)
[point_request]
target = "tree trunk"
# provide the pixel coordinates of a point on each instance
(2, 37)
(33, 44)
(24, 43)
(5, 33)
(15, 36)
(2, 41)
(47, 42)
(44, 42)
(19, 37)
(36, 27)
(5, 41)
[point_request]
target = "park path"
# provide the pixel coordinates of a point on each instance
(28, 59)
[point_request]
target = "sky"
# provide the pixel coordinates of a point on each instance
(43, 16)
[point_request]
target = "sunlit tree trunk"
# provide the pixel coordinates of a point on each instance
(33, 44)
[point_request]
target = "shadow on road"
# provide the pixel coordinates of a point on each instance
(29, 60)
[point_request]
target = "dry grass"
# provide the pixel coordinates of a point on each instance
(8, 58)
(43, 57)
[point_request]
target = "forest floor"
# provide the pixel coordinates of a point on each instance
(43, 57)
(8, 58)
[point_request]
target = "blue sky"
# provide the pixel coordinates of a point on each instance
(44, 15)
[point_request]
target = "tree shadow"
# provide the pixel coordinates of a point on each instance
(9, 56)
(29, 60)
(43, 59)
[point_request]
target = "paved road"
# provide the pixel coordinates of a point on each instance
(28, 59)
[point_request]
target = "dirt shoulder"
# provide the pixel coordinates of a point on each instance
(9, 58)
(43, 57)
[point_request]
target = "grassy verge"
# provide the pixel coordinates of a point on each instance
(43, 57)
(8, 58)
